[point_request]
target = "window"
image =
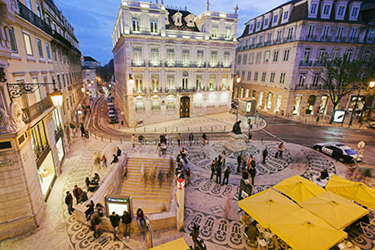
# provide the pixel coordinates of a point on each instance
(266, 56)
(269, 37)
(135, 23)
(239, 59)
(213, 58)
(326, 9)
(155, 102)
(54, 53)
(37, 91)
(200, 57)
(249, 76)
(38, 10)
(137, 55)
(198, 83)
(139, 104)
(275, 18)
(340, 29)
(311, 31)
(170, 102)
(185, 83)
(247, 93)
(251, 58)
(59, 52)
(315, 80)
(58, 81)
(354, 12)
(272, 78)
(264, 76)
(155, 56)
(261, 39)
(214, 31)
(256, 76)
(170, 81)
(253, 41)
(12, 39)
(321, 55)
(257, 60)
(170, 57)
(227, 33)
(266, 22)
(282, 77)
(244, 59)
(286, 14)
(47, 49)
(39, 43)
(313, 8)
(27, 39)
(290, 33)
(302, 78)
(278, 37)
(275, 55)
(340, 12)
(138, 83)
(325, 32)
(367, 56)
(153, 26)
(226, 59)
(251, 27)
(349, 54)
(335, 53)
(286, 55)
(258, 24)
(243, 75)
(353, 33)
(63, 80)
(306, 55)
(28, 3)
(212, 83)
(154, 82)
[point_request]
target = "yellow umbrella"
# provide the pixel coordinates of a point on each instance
(298, 188)
(356, 191)
(178, 244)
(334, 209)
(267, 206)
(303, 230)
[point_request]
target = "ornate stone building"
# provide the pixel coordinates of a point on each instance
(181, 65)
(37, 48)
(280, 54)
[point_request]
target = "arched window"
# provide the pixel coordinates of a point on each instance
(321, 55)
(306, 55)
(367, 56)
(349, 54)
(155, 102)
(139, 104)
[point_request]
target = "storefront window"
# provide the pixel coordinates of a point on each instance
(46, 174)
(56, 120)
(39, 139)
(60, 149)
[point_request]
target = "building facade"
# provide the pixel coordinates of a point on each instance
(171, 64)
(280, 54)
(37, 49)
(89, 76)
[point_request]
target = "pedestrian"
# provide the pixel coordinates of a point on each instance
(90, 210)
(281, 149)
(204, 138)
(115, 159)
(96, 178)
(317, 119)
(179, 139)
(100, 209)
(222, 159)
(96, 223)
(132, 140)
(115, 221)
(83, 197)
(77, 191)
(218, 173)
(126, 220)
(166, 138)
(244, 161)
(104, 160)
(69, 202)
(226, 175)
(82, 130)
(249, 161)
(118, 152)
(188, 174)
(213, 167)
(87, 181)
(191, 139)
(252, 170)
(265, 154)
(239, 160)
(140, 220)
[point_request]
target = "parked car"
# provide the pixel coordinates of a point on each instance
(111, 112)
(372, 125)
(112, 119)
(340, 152)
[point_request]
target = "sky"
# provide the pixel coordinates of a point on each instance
(94, 20)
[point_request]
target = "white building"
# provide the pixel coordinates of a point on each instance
(280, 54)
(181, 64)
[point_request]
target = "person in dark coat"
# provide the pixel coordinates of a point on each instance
(83, 197)
(82, 130)
(126, 220)
(252, 231)
(69, 202)
(115, 222)
(96, 223)
(226, 175)
(213, 168)
(218, 173)
(87, 183)
(239, 160)
(252, 170)
(90, 210)
(191, 139)
(204, 138)
(265, 154)
(118, 151)
(115, 159)
(77, 191)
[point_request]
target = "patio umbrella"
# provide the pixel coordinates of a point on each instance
(302, 230)
(356, 191)
(267, 206)
(334, 209)
(298, 188)
(178, 244)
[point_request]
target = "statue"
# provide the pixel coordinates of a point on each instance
(237, 128)
(7, 125)
(16, 114)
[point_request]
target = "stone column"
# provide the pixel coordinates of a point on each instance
(180, 199)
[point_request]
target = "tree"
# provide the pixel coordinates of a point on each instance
(106, 72)
(340, 76)
(368, 75)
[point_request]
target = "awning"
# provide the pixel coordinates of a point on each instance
(178, 244)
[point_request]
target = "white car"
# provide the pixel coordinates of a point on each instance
(340, 152)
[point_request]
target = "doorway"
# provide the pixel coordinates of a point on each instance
(185, 107)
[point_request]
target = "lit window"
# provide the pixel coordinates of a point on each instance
(212, 83)
(39, 43)
(29, 49)
(155, 103)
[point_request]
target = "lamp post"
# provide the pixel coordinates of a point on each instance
(369, 88)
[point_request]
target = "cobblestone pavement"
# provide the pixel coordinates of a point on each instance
(204, 199)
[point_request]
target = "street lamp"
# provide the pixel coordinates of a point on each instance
(83, 89)
(238, 79)
(57, 98)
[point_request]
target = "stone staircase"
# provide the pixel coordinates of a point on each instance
(151, 197)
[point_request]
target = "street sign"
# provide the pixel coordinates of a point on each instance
(361, 144)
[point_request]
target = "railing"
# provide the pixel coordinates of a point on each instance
(167, 90)
(319, 63)
(138, 63)
(156, 90)
(226, 65)
(310, 86)
(306, 63)
(214, 65)
(31, 17)
(183, 90)
(139, 91)
(62, 39)
(154, 63)
(36, 110)
(145, 32)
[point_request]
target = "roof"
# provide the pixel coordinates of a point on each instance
(172, 26)
(89, 59)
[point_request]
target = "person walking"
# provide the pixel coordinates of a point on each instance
(77, 191)
(126, 220)
(188, 174)
(204, 138)
(191, 139)
(179, 139)
(118, 152)
(140, 220)
(244, 161)
(96, 223)
(82, 130)
(226, 175)
(90, 210)
(252, 170)
(115, 221)
(104, 160)
(132, 140)
(265, 154)
(218, 173)
(239, 160)
(281, 149)
(213, 167)
(69, 202)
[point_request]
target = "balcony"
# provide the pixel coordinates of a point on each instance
(139, 91)
(197, 65)
(183, 90)
(226, 65)
(31, 17)
(214, 65)
(138, 63)
(145, 32)
(36, 110)
(310, 87)
(154, 63)
(155, 90)
(319, 63)
(62, 39)
(305, 63)
(170, 91)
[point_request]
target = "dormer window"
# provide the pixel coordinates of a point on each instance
(275, 18)
(313, 8)
(266, 22)
(177, 18)
(190, 20)
(286, 15)
(251, 27)
(341, 11)
(354, 12)
(326, 9)
(258, 24)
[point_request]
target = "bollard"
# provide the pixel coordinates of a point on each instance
(154, 129)
(212, 129)
(201, 129)
(144, 129)
(176, 129)
(102, 138)
(121, 140)
(110, 139)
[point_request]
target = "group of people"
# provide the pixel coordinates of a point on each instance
(247, 166)
(126, 219)
(93, 184)
(79, 194)
(217, 167)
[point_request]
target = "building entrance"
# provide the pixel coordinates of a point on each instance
(184, 107)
